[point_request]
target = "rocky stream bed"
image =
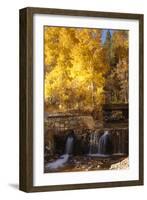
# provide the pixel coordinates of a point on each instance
(67, 163)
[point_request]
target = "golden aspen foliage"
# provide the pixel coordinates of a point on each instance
(74, 69)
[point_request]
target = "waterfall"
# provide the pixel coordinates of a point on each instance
(63, 159)
(93, 143)
(69, 145)
(105, 143)
(114, 142)
(100, 145)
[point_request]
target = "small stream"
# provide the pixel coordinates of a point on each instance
(100, 155)
(63, 159)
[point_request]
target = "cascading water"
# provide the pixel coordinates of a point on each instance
(69, 145)
(60, 162)
(100, 145)
(93, 143)
(105, 144)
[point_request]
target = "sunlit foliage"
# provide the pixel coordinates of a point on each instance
(74, 68)
(77, 65)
